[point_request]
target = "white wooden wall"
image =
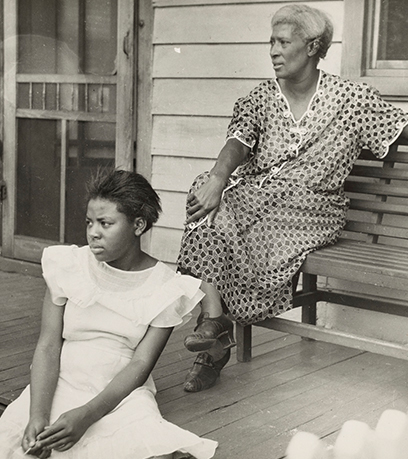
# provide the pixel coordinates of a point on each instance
(206, 55)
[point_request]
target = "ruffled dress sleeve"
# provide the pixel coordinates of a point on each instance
(381, 122)
(180, 296)
(56, 262)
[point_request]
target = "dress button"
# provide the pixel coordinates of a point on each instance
(286, 114)
(292, 147)
(279, 95)
(309, 114)
(384, 143)
(303, 131)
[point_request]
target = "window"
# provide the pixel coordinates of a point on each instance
(374, 44)
(389, 25)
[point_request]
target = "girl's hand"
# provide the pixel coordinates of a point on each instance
(206, 200)
(66, 430)
(29, 443)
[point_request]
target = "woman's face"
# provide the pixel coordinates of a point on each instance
(111, 237)
(289, 52)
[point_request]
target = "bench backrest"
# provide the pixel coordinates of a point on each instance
(379, 198)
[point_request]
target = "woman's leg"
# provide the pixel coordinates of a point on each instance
(213, 334)
(212, 324)
(211, 303)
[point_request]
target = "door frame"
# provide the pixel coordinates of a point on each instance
(31, 248)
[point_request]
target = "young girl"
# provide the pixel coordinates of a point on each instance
(108, 312)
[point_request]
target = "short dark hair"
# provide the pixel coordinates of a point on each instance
(130, 191)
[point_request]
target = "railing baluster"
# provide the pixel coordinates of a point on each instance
(101, 97)
(63, 177)
(30, 96)
(44, 95)
(58, 95)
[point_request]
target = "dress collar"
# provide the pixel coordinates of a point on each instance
(308, 110)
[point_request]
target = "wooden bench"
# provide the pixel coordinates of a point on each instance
(373, 250)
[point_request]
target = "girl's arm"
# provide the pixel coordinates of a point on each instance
(45, 370)
(70, 426)
(207, 198)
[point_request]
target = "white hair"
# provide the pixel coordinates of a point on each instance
(310, 23)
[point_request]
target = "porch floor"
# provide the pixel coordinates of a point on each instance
(291, 384)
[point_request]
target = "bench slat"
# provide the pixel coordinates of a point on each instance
(378, 230)
(373, 264)
(371, 251)
(389, 262)
(347, 272)
(378, 189)
(378, 206)
(380, 172)
(393, 156)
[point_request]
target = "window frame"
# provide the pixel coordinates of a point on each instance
(392, 83)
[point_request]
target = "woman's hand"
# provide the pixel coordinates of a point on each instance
(66, 430)
(29, 443)
(206, 200)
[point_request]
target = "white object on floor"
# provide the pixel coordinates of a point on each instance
(391, 436)
(306, 445)
(355, 441)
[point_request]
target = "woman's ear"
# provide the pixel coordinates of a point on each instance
(140, 225)
(313, 48)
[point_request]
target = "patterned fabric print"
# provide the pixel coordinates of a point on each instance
(289, 200)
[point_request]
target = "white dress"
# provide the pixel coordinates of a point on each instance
(106, 315)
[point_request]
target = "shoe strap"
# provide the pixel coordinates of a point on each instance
(203, 358)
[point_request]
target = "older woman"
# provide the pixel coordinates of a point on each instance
(276, 191)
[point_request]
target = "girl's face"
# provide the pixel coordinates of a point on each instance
(111, 237)
(289, 52)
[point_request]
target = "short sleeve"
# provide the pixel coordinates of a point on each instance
(185, 294)
(381, 122)
(51, 267)
(244, 124)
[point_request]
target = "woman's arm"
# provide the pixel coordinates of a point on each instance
(45, 370)
(70, 426)
(207, 198)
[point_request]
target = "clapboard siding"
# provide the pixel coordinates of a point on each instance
(174, 209)
(200, 97)
(177, 135)
(232, 23)
(224, 61)
(177, 173)
(166, 243)
(206, 54)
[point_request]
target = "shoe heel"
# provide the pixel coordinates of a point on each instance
(227, 339)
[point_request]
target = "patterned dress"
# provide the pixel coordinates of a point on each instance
(287, 200)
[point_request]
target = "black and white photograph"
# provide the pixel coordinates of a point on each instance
(204, 229)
